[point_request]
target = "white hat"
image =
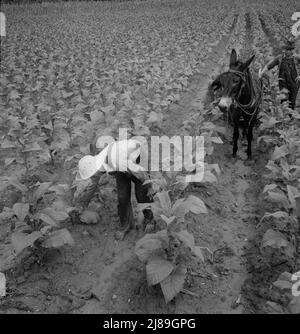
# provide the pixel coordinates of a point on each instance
(117, 156)
(90, 165)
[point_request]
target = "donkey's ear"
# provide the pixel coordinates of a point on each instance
(248, 62)
(233, 58)
(215, 84)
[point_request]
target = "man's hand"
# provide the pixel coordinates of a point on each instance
(96, 177)
(298, 78)
(261, 72)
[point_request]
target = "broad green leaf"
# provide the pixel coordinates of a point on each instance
(162, 236)
(274, 239)
(157, 209)
(173, 284)
(8, 144)
(59, 189)
(209, 177)
(179, 208)
(279, 152)
(146, 248)
(66, 95)
(293, 193)
(168, 220)
(7, 213)
(285, 276)
(61, 205)
(181, 183)
(276, 215)
(221, 129)
(21, 241)
(9, 161)
(58, 239)
(294, 305)
(47, 219)
(274, 308)
(44, 230)
(269, 187)
(198, 252)
(165, 202)
(21, 210)
(271, 122)
(32, 147)
(90, 217)
(216, 140)
(97, 116)
(187, 238)
(214, 167)
(157, 270)
(40, 191)
(284, 281)
(278, 198)
(57, 215)
(21, 226)
(195, 205)
(14, 94)
(3, 185)
(154, 118)
(273, 167)
(16, 183)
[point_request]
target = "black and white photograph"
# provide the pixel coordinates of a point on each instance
(149, 159)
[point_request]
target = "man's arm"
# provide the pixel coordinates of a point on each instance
(271, 64)
(297, 58)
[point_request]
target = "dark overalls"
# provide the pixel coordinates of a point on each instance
(287, 77)
(123, 181)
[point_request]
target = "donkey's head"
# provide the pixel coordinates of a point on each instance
(232, 83)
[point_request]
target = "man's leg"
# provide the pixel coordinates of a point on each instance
(283, 85)
(124, 200)
(293, 96)
(141, 194)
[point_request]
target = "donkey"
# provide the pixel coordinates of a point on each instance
(240, 98)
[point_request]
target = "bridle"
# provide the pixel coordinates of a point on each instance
(255, 100)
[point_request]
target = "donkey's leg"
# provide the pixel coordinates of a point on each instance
(244, 131)
(235, 133)
(249, 138)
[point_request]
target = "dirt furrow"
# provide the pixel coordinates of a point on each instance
(226, 230)
(191, 102)
(269, 35)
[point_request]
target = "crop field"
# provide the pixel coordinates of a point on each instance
(74, 71)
